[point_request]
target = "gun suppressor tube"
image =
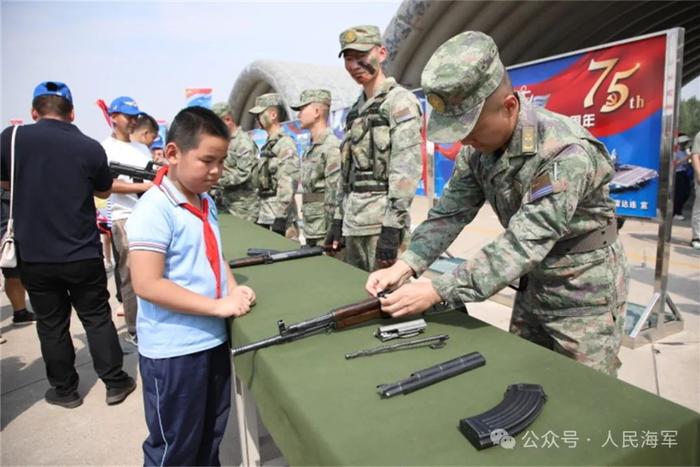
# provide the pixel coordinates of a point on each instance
(433, 374)
(521, 405)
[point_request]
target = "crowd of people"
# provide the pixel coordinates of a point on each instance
(544, 175)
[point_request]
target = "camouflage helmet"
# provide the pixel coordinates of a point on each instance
(308, 96)
(457, 79)
(222, 109)
(264, 101)
(361, 38)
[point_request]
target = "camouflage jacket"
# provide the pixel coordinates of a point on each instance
(387, 154)
(239, 164)
(276, 178)
(549, 184)
(320, 175)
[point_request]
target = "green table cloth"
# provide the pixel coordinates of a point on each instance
(324, 410)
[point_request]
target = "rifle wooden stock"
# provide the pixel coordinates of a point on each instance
(248, 261)
(357, 313)
(338, 318)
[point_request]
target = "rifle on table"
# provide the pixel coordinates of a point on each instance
(261, 256)
(137, 173)
(338, 318)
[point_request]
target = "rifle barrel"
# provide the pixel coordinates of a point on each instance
(335, 319)
(261, 344)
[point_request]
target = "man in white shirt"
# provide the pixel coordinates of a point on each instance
(123, 112)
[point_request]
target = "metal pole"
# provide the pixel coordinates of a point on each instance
(669, 123)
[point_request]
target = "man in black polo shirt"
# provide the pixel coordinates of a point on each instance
(57, 172)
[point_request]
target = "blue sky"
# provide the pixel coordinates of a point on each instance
(152, 51)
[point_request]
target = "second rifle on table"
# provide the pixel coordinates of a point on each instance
(262, 256)
(338, 318)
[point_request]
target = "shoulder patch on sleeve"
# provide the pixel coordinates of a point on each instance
(402, 114)
(543, 186)
(332, 167)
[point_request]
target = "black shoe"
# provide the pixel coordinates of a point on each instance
(23, 316)
(70, 401)
(117, 395)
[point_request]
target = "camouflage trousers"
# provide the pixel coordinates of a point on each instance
(246, 208)
(361, 251)
(593, 340)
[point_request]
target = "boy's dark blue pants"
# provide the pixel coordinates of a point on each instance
(187, 401)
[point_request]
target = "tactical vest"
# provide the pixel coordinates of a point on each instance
(365, 148)
(264, 176)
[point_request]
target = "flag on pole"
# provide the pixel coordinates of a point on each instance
(198, 97)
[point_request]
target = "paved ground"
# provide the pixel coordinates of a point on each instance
(33, 432)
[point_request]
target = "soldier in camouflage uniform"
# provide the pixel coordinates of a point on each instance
(239, 196)
(380, 158)
(276, 175)
(547, 180)
(320, 165)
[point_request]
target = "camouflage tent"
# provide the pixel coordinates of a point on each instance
(288, 79)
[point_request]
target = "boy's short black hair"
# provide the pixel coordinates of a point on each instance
(146, 121)
(190, 123)
(52, 105)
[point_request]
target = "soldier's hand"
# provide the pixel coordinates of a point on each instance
(334, 239)
(384, 263)
(279, 226)
(388, 278)
(388, 246)
(410, 299)
(146, 185)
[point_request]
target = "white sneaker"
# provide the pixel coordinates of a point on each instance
(695, 244)
(679, 217)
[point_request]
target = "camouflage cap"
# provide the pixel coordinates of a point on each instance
(222, 109)
(457, 79)
(264, 101)
(308, 96)
(361, 38)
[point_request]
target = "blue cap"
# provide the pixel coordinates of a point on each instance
(157, 143)
(53, 88)
(124, 105)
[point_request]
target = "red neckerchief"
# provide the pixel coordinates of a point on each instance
(210, 244)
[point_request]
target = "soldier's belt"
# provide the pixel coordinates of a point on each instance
(313, 197)
(363, 182)
(590, 241)
(381, 187)
(266, 194)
